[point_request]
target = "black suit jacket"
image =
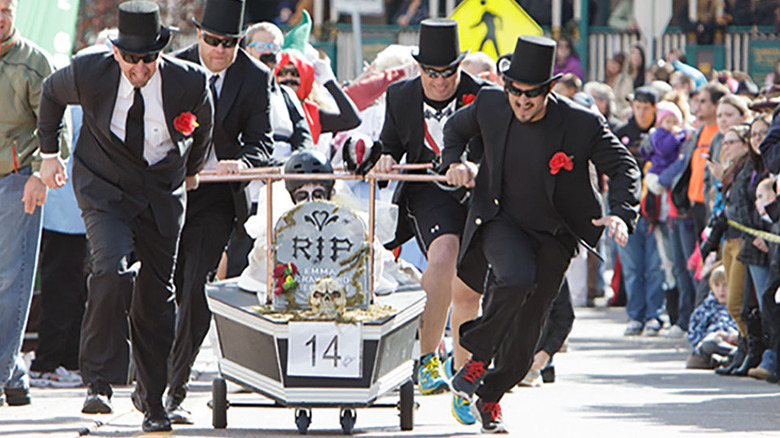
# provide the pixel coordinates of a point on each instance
(242, 127)
(579, 133)
(106, 176)
(403, 134)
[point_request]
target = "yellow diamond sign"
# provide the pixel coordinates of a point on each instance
(492, 26)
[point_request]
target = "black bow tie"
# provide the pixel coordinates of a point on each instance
(439, 114)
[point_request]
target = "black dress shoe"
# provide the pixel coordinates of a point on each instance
(176, 413)
(156, 423)
(98, 400)
(179, 415)
(17, 396)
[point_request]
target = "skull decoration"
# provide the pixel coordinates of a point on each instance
(328, 298)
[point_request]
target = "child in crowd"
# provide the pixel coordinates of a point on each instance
(711, 331)
(765, 195)
(665, 141)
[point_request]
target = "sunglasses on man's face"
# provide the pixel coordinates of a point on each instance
(530, 93)
(433, 74)
(303, 195)
(288, 71)
(213, 41)
(264, 47)
(131, 58)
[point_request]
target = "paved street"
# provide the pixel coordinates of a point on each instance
(607, 386)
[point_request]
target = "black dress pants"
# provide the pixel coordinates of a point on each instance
(207, 227)
(526, 273)
(114, 283)
(63, 270)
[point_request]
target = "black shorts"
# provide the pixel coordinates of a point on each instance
(434, 212)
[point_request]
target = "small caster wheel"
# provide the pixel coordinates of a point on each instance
(303, 420)
(347, 421)
(219, 403)
(406, 405)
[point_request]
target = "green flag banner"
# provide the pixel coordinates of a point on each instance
(51, 24)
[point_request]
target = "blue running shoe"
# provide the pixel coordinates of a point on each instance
(461, 410)
(430, 379)
(448, 371)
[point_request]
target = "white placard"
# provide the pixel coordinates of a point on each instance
(361, 6)
(324, 349)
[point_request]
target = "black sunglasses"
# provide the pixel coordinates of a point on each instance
(288, 71)
(133, 59)
(433, 74)
(213, 41)
(530, 93)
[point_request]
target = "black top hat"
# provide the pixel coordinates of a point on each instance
(222, 17)
(532, 61)
(439, 43)
(140, 31)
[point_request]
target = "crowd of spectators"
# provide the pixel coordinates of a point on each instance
(703, 261)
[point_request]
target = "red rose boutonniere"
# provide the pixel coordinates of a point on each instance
(467, 99)
(186, 123)
(561, 161)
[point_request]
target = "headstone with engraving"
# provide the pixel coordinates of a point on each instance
(322, 239)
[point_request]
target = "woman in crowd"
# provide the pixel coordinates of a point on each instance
(755, 252)
(567, 60)
(637, 65)
(620, 81)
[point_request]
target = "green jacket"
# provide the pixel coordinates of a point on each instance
(23, 67)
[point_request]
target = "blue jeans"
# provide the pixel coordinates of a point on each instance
(759, 274)
(683, 243)
(18, 260)
(642, 274)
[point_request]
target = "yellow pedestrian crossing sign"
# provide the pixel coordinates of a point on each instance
(492, 26)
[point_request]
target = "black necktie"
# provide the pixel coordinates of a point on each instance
(213, 86)
(134, 126)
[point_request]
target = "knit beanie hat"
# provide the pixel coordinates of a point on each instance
(666, 108)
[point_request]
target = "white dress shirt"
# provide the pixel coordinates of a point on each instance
(157, 139)
(435, 121)
(211, 159)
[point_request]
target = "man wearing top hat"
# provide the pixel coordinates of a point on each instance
(533, 202)
(240, 88)
(147, 126)
(416, 112)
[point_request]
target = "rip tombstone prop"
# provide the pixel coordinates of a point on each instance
(322, 239)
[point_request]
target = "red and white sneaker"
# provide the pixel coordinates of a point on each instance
(489, 415)
(468, 378)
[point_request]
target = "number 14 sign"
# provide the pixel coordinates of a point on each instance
(324, 349)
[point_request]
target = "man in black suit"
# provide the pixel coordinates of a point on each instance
(416, 112)
(147, 126)
(533, 202)
(242, 139)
